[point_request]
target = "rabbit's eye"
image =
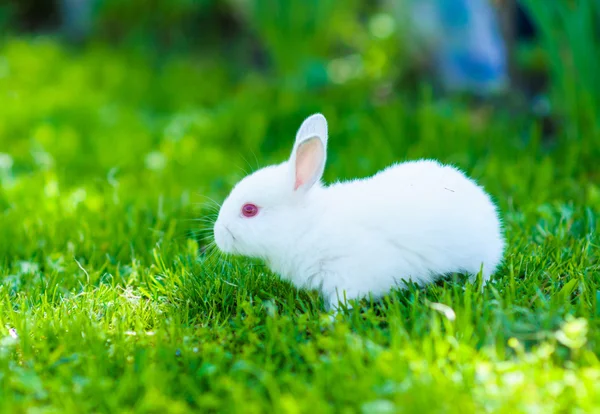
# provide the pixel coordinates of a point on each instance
(249, 210)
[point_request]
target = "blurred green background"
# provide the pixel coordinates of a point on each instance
(118, 127)
(353, 58)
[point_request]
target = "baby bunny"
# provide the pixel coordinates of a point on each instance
(416, 220)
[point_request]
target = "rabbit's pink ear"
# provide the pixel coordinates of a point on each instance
(310, 152)
(310, 159)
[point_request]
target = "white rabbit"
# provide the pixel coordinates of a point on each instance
(417, 220)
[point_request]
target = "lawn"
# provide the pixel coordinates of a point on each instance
(110, 164)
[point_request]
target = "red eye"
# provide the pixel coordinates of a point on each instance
(249, 210)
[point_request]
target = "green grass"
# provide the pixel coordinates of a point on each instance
(107, 303)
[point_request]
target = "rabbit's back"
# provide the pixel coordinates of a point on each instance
(417, 220)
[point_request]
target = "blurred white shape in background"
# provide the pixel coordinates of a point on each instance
(76, 17)
(462, 38)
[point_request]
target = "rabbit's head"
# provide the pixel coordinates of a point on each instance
(270, 208)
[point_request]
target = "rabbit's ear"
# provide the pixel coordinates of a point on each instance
(308, 157)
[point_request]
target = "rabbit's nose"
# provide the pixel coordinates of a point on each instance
(229, 231)
(224, 238)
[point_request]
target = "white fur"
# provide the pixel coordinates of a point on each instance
(414, 221)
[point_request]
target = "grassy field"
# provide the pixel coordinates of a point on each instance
(109, 161)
